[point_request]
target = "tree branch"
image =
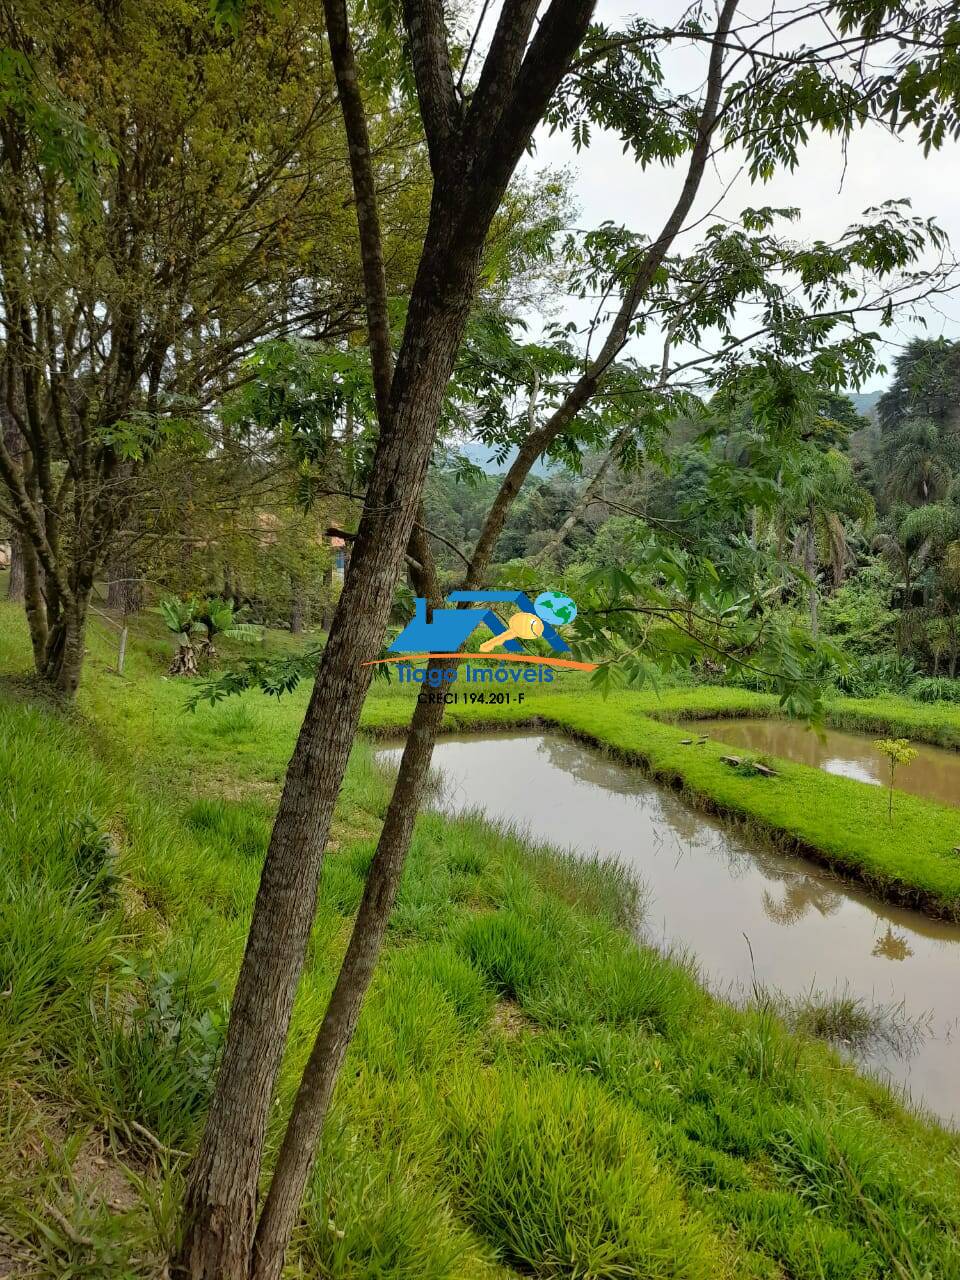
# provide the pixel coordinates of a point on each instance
(29, 522)
(427, 33)
(365, 192)
(500, 67)
(559, 35)
(537, 441)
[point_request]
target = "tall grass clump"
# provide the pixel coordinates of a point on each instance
(155, 1053)
(242, 827)
(516, 950)
(409, 1025)
(567, 971)
(562, 1181)
(369, 1213)
(853, 1023)
(53, 958)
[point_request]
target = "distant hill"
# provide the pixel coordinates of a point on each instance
(481, 455)
(864, 401)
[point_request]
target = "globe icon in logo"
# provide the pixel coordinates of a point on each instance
(554, 608)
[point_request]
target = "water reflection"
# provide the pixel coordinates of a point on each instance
(801, 895)
(935, 773)
(708, 887)
(893, 945)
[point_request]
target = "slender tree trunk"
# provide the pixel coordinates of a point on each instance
(221, 1198)
(316, 1089)
(34, 603)
(297, 607)
(63, 659)
(16, 584)
(810, 569)
(473, 159)
(552, 548)
(282, 1206)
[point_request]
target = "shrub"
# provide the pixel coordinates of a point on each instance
(94, 859)
(934, 689)
(882, 673)
(155, 1062)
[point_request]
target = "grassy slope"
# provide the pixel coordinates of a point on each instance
(837, 820)
(528, 1093)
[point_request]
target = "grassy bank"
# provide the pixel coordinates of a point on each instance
(528, 1094)
(836, 821)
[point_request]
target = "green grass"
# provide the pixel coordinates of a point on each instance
(529, 1093)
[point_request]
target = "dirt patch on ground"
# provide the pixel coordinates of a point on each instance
(57, 1166)
(510, 1020)
(100, 1175)
(14, 1261)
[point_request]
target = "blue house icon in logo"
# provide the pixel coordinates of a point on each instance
(449, 629)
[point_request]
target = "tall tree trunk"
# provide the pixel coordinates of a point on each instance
(221, 1197)
(16, 584)
(282, 1206)
(473, 158)
(124, 586)
(316, 1089)
(810, 569)
(63, 659)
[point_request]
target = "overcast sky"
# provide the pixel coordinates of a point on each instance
(608, 185)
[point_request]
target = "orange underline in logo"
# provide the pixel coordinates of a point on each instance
(490, 657)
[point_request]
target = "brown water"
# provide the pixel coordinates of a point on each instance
(708, 887)
(935, 773)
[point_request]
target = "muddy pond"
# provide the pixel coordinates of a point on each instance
(935, 773)
(709, 889)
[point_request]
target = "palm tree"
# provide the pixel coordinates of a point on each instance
(181, 617)
(195, 623)
(217, 617)
(913, 464)
(822, 495)
(924, 540)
